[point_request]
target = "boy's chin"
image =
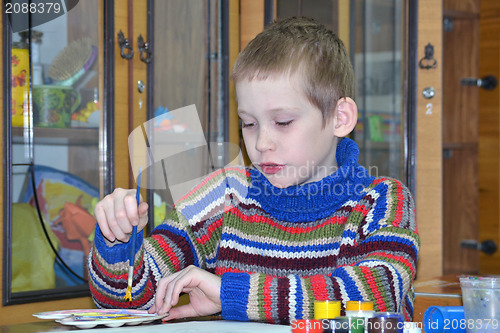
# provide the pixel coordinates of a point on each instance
(281, 182)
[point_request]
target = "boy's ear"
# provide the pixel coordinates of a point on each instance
(346, 117)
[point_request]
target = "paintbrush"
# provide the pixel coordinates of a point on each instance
(128, 294)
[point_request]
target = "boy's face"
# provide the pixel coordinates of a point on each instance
(284, 133)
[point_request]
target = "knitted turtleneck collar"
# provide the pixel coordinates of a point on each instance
(316, 200)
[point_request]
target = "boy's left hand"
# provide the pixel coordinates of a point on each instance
(203, 289)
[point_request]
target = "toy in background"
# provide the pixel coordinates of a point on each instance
(87, 116)
(165, 121)
(20, 71)
(54, 105)
(66, 203)
(77, 223)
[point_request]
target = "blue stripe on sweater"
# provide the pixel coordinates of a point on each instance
(217, 192)
(351, 288)
(118, 252)
(205, 201)
(234, 292)
(299, 298)
(281, 248)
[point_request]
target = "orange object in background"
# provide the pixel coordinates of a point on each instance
(20, 80)
(78, 223)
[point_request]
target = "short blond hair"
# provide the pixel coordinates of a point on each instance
(300, 44)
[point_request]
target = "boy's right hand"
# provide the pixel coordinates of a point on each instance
(118, 212)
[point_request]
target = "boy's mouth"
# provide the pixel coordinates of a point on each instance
(271, 168)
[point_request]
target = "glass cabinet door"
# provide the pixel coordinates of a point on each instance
(55, 131)
(378, 53)
(189, 71)
(377, 39)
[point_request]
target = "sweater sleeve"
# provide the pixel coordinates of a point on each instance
(379, 266)
(169, 249)
(187, 237)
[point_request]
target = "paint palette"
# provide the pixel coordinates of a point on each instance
(88, 318)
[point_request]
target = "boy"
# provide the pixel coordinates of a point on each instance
(304, 223)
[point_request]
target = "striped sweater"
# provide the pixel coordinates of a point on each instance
(350, 236)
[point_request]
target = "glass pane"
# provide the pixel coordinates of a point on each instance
(187, 48)
(323, 11)
(376, 39)
(378, 52)
(55, 146)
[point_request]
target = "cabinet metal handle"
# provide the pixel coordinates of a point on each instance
(488, 246)
(144, 50)
(125, 45)
(428, 61)
(488, 82)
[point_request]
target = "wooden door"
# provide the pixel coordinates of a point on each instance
(471, 139)
(489, 135)
(460, 135)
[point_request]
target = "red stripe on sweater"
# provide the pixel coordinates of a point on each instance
(169, 252)
(107, 273)
(399, 194)
(266, 293)
(221, 270)
(109, 303)
(374, 288)
(361, 209)
(210, 230)
(319, 287)
(400, 259)
(292, 230)
(399, 207)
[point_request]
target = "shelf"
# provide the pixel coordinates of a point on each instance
(58, 136)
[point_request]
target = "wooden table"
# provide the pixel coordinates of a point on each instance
(441, 291)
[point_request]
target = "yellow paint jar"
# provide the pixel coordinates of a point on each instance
(20, 80)
(326, 309)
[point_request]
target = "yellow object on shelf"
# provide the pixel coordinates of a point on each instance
(20, 71)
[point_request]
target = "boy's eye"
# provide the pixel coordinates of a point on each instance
(247, 125)
(284, 123)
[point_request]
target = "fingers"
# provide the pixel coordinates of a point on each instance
(128, 210)
(100, 216)
(183, 311)
(170, 287)
(163, 300)
(203, 289)
(143, 215)
(118, 212)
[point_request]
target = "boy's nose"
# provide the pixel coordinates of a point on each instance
(264, 141)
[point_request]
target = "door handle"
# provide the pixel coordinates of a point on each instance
(144, 50)
(488, 246)
(126, 50)
(488, 82)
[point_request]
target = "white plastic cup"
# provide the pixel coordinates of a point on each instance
(481, 300)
